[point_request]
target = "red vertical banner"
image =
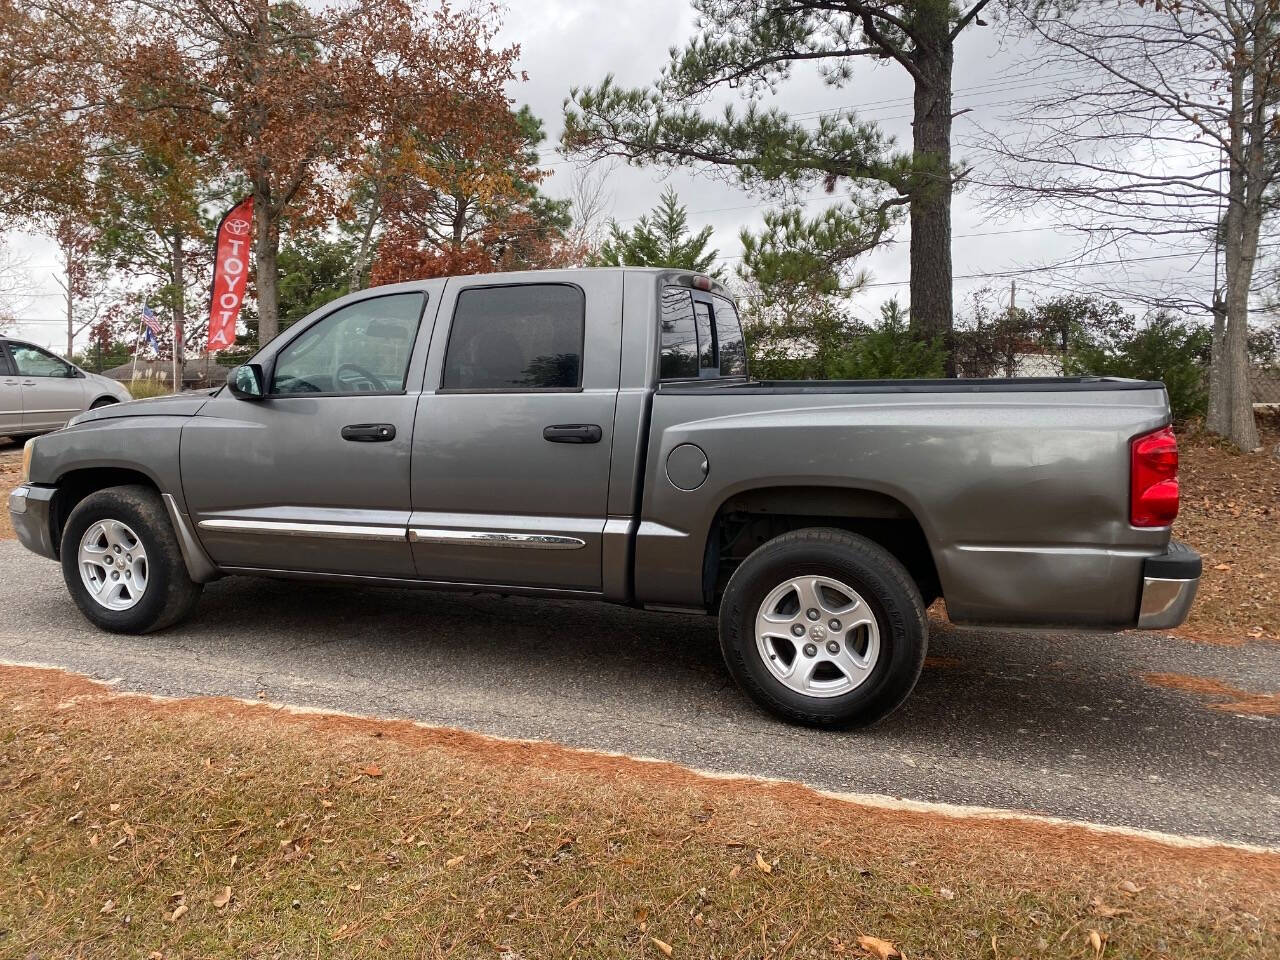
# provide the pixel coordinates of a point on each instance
(230, 274)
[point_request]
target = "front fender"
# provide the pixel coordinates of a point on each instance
(142, 445)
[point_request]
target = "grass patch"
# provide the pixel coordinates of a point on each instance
(144, 387)
(131, 827)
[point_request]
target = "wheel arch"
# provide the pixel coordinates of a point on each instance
(749, 518)
(75, 485)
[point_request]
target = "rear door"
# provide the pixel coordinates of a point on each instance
(10, 395)
(514, 431)
(52, 389)
(314, 478)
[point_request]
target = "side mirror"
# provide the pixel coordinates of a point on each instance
(245, 382)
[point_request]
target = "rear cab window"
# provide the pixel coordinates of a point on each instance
(701, 336)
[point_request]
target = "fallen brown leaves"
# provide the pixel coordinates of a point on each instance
(943, 663)
(562, 853)
(1231, 514)
(880, 949)
(1226, 698)
(10, 469)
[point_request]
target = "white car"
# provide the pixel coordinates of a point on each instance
(40, 392)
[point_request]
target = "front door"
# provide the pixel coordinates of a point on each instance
(52, 389)
(514, 432)
(315, 476)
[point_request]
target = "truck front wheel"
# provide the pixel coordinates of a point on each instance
(824, 627)
(122, 564)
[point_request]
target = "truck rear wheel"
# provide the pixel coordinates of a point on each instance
(824, 627)
(122, 564)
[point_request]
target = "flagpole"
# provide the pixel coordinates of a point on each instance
(137, 342)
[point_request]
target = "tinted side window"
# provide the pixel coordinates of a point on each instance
(522, 337)
(733, 352)
(679, 357)
(706, 344)
(361, 348)
(34, 362)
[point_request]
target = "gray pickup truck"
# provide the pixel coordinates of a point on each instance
(595, 434)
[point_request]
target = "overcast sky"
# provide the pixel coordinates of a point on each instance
(576, 42)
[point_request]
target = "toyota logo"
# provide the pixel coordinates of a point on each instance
(238, 227)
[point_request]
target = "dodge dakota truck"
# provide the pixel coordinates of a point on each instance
(596, 434)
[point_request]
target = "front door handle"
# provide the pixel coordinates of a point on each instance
(572, 433)
(369, 432)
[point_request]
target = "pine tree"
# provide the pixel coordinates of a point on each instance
(750, 46)
(661, 238)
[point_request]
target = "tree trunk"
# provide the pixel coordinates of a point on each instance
(355, 280)
(1244, 214)
(266, 247)
(71, 326)
(1219, 417)
(459, 221)
(179, 309)
(1244, 429)
(931, 306)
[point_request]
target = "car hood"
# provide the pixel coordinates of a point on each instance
(176, 405)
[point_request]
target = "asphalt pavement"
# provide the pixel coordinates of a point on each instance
(1059, 724)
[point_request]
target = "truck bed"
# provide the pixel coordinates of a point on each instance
(1020, 487)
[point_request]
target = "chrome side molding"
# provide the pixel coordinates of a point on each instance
(384, 534)
(491, 538)
(288, 528)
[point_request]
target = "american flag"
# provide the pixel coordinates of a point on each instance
(152, 323)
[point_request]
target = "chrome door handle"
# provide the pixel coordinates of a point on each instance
(28, 383)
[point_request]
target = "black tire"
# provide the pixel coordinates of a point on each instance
(885, 586)
(103, 402)
(170, 594)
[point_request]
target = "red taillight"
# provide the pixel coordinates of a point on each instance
(1153, 478)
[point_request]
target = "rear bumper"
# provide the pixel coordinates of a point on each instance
(30, 506)
(1169, 584)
